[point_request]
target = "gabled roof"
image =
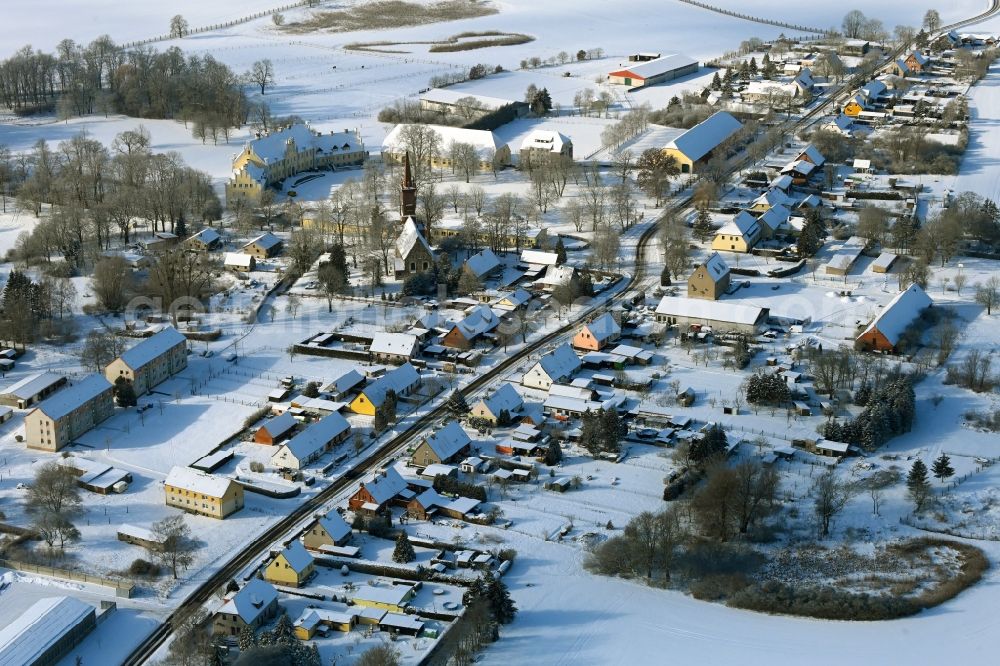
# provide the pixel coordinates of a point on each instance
(504, 398)
(744, 224)
(723, 311)
(265, 241)
(557, 275)
(651, 68)
(604, 327)
(800, 167)
(401, 344)
(775, 217)
(279, 425)
(297, 556)
(450, 97)
(920, 57)
(385, 485)
(207, 236)
(249, 602)
(539, 257)
(480, 320)
(335, 525)
(40, 628)
(198, 482)
(482, 263)
(32, 385)
(516, 298)
(484, 141)
(772, 197)
(560, 362)
(409, 238)
(346, 381)
(68, 399)
(706, 136)
(716, 267)
(900, 313)
(873, 89)
(152, 348)
(448, 441)
(397, 379)
(317, 436)
(545, 140)
(238, 259)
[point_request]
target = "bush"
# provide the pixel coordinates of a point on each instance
(447, 484)
(252, 420)
(257, 466)
(718, 586)
(141, 567)
(507, 555)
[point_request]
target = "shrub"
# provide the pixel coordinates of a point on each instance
(256, 466)
(141, 567)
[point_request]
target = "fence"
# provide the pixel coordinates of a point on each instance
(122, 588)
(755, 19)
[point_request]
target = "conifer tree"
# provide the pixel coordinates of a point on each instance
(942, 468)
(917, 485)
(403, 552)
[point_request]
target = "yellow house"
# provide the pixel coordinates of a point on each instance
(697, 145)
(328, 530)
(271, 158)
(60, 419)
(339, 619)
(292, 566)
(394, 598)
(201, 493)
(853, 108)
(710, 280)
(150, 362)
(740, 235)
(402, 380)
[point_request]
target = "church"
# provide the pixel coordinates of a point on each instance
(413, 254)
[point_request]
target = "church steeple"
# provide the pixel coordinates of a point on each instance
(407, 191)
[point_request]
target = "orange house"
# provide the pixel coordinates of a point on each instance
(596, 334)
(274, 430)
(886, 331)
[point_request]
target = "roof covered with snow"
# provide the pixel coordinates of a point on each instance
(549, 140)
(604, 327)
(398, 380)
(152, 348)
(504, 398)
(400, 344)
(249, 602)
(335, 525)
(721, 311)
(900, 312)
(297, 556)
(716, 267)
(484, 141)
(71, 398)
(198, 482)
(743, 224)
(32, 385)
(651, 68)
(812, 154)
(207, 236)
(409, 237)
(316, 436)
(482, 263)
(706, 136)
(480, 320)
(560, 362)
(448, 441)
(238, 260)
(539, 257)
(385, 485)
(40, 628)
(265, 241)
(279, 425)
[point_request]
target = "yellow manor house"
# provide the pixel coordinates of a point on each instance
(271, 158)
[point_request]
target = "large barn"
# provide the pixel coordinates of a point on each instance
(886, 330)
(639, 74)
(697, 145)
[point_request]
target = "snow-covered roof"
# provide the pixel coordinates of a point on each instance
(549, 140)
(335, 525)
(398, 380)
(385, 485)
(271, 148)
(265, 241)
(538, 257)
(346, 381)
(249, 602)
(480, 320)
(238, 260)
(313, 617)
(485, 142)
(152, 348)
(651, 68)
(504, 398)
(394, 595)
(716, 267)
(560, 362)
(450, 97)
(68, 399)
(297, 556)
(32, 385)
(775, 217)
(514, 299)
(482, 263)
(604, 327)
(772, 197)
(207, 236)
(571, 404)
(448, 441)
(279, 425)
(722, 311)
(198, 482)
(884, 260)
(409, 237)
(812, 154)
(900, 313)
(40, 628)
(801, 167)
(317, 436)
(704, 137)
(400, 344)
(557, 275)
(743, 224)
(570, 391)
(764, 88)
(873, 89)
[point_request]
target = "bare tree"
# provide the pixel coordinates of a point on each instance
(988, 295)
(261, 74)
(175, 547)
(830, 496)
(178, 26)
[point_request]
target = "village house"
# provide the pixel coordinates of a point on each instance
(32, 389)
(774, 221)
(504, 399)
(429, 503)
(477, 323)
(844, 259)
(812, 155)
(914, 63)
(642, 73)
(484, 264)
(741, 234)
(395, 348)
(489, 149)
(543, 147)
(345, 384)
(512, 301)
(468, 105)
(558, 365)
(150, 362)
(709, 280)
(292, 567)
(60, 419)
(317, 439)
(269, 159)
(393, 598)
(252, 606)
(339, 618)
(275, 429)
(594, 335)
(886, 330)
(558, 276)
(795, 92)
(446, 445)
(328, 530)
(695, 147)
(402, 381)
(375, 494)
(46, 632)
(265, 246)
(720, 315)
(160, 241)
(201, 493)
(205, 240)
(238, 261)
(413, 252)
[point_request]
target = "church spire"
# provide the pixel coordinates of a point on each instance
(407, 191)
